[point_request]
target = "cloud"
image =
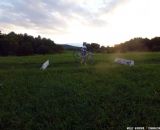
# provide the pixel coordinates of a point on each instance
(30, 14)
(53, 14)
(110, 21)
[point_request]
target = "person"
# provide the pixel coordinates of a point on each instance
(83, 53)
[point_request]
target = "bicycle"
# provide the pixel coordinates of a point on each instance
(78, 56)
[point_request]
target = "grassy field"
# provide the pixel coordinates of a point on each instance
(71, 96)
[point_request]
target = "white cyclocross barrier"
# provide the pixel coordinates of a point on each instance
(124, 61)
(45, 65)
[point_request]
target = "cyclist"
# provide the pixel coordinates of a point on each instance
(83, 53)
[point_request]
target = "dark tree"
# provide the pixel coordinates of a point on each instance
(24, 44)
(95, 47)
(4, 47)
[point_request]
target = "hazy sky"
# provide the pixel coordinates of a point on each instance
(106, 22)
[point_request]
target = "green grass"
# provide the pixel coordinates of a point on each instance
(72, 96)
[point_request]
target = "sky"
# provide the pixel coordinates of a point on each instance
(106, 22)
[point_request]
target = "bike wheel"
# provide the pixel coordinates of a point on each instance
(77, 56)
(90, 58)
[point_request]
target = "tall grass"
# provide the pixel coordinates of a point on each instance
(68, 95)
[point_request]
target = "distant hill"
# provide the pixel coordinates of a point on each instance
(69, 47)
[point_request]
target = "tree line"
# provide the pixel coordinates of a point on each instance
(133, 45)
(139, 44)
(24, 44)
